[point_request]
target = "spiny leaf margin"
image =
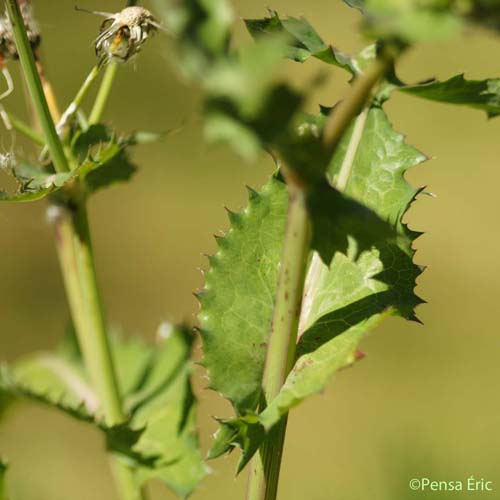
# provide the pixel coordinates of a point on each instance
(331, 333)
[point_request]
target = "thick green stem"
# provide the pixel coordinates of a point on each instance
(95, 341)
(125, 480)
(77, 101)
(265, 466)
(76, 261)
(283, 340)
(35, 87)
(104, 92)
(64, 231)
(77, 264)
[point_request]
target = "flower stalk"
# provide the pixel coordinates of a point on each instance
(103, 93)
(75, 105)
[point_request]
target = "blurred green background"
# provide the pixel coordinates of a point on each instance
(424, 403)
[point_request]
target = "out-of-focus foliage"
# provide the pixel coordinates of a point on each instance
(302, 40)
(413, 21)
(3, 471)
(159, 438)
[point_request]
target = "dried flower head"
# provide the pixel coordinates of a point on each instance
(122, 34)
(7, 45)
(7, 51)
(8, 48)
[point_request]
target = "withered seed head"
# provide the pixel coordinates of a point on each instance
(122, 34)
(7, 45)
(8, 48)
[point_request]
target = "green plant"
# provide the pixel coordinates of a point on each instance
(321, 255)
(318, 258)
(139, 396)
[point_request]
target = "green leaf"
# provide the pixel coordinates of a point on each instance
(245, 105)
(84, 143)
(410, 21)
(202, 29)
(163, 403)
(103, 159)
(249, 135)
(107, 171)
(246, 79)
(40, 380)
(246, 432)
(356, 4)
(34, 183)
(88, 142)
(478, 94)
(145, 137)
(301, 147)
(338, 220)
(303, 41)
(485, 12)
(51, 379)
(238, 298)
(26, 196)
(342, 300)
(363, 267)
(160, 437)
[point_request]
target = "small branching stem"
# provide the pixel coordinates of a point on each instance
(265, 466)
(103, 93)
(125, 481)
(25, 129)
(72, 109)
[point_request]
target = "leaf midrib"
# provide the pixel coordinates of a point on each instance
(316, 268)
